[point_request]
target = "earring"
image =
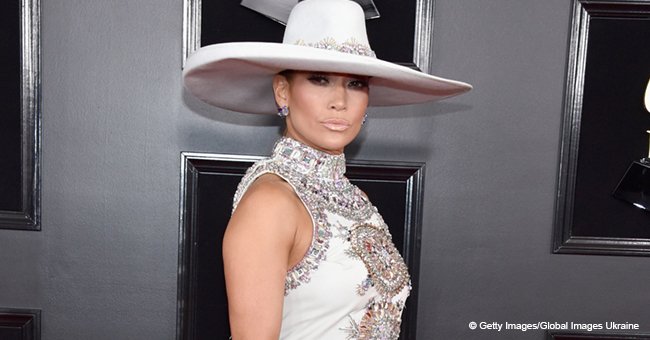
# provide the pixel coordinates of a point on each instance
(365, 117)
(283, 111)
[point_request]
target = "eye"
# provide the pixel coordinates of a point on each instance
(318, 79)
(358, 84)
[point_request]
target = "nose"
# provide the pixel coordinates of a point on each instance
(338, 100)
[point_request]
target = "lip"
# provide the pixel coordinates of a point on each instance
(336, 124)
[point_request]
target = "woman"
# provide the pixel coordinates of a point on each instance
(306, 255)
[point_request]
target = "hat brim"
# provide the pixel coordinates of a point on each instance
(238, 76)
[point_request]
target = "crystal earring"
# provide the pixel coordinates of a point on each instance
(365, 117)
(283, 111)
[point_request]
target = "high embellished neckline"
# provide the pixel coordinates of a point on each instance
(308, 160)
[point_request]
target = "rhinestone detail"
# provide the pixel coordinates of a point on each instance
(381, 321)
(386, 268)
(350, 46)
(318, 179)
(387, 273)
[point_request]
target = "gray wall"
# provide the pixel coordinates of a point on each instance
(115, 121)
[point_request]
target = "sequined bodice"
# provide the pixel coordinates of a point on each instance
(352, 283)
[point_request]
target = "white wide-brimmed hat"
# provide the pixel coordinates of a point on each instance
(321, 35)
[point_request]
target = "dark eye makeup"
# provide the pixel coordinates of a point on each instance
(323, 79)
(358, 83)
(318, 79)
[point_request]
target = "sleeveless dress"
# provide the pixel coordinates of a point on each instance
(352, 283)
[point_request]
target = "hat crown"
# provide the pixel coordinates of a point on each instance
(328, 24)
(321, 35)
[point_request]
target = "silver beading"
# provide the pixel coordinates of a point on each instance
(350, 46)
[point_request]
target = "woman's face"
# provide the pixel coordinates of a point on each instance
(326, 110)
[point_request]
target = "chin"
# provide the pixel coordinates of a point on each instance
(335, 143)
(325, 140)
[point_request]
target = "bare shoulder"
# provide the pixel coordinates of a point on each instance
(269, 193)
(269, 207)
(257, 249)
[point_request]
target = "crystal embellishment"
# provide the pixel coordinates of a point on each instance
(385, 265)
(381, 321)
(319, 181)
(343, 216)
(350, 46)
(387, 273)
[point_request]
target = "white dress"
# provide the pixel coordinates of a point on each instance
(352, 283)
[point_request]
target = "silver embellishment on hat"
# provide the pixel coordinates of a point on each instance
(350, 46)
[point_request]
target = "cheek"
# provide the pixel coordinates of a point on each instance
(306, 101)
(359, 103)
(303, 112)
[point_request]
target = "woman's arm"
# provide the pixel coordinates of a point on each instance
(257, 252)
